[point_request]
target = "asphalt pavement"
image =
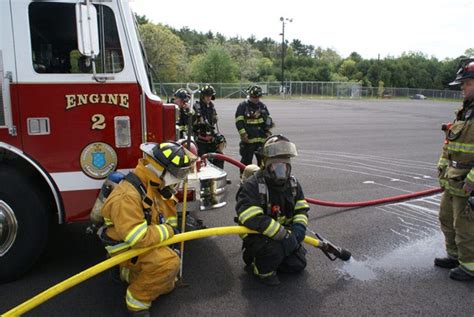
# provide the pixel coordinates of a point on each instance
(349, 150)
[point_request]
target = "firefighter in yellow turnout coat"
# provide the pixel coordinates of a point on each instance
(136, 219)
(456, 170)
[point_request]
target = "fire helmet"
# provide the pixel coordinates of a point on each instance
(465, 72)
(182, 94)
(171, 156)
(255, 91)
(277, 151)
(249, 171)
(208, 90)
(278, 146)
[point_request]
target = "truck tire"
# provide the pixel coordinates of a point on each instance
(24, 224)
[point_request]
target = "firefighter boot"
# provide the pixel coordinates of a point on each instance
(247, 257)
(140, 313)
(446, 263)
(270, 280)
(461, 274)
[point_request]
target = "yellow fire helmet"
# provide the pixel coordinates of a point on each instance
(172, 156)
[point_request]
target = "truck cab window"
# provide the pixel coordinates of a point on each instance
(54, 40)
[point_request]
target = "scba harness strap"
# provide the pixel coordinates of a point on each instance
(146, 201)
(264, 195)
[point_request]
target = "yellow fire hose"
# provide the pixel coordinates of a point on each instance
(107, 264)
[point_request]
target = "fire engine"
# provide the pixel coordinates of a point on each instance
(76, 102)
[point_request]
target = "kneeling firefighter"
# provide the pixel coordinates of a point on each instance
(141, 212)
(272, 202)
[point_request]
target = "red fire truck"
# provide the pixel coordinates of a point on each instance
(76, 102)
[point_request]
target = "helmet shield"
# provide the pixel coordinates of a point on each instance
(280, 148)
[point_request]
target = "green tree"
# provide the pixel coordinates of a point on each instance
(246, 59)
(165, 51)
(266, 70)
(469, 52)
(268, 47)
(301, 49)
(195, 42)
(348, 68)
(215, 65)
(141, 19)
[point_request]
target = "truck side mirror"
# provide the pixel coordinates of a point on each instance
(87, 29)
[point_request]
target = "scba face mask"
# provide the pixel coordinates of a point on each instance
(170, 185)
(279, 172)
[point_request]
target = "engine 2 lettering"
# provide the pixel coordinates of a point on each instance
(73, 101)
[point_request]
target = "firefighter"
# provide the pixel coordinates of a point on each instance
(456, 173)
(253, 123)
(272, 202)
(205, 129)
(141, 212)
(181, 98)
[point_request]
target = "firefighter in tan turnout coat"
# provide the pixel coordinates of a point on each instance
(456, 170)
(141, 212)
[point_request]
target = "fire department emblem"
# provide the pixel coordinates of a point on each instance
(98, 160)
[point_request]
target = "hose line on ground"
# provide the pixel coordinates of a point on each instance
(313, 201)
(107, 264)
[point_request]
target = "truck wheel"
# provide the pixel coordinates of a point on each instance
(24, 224)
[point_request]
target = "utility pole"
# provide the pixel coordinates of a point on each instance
(282, 19)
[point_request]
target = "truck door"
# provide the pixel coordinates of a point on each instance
(77, 127)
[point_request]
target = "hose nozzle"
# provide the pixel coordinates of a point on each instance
(332, 251)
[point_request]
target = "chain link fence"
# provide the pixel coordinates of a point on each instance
(314, 89)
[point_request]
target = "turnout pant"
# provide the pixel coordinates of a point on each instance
(149, 275)
(457, 223)
(209, 147)
(247, 151)
(266, 255)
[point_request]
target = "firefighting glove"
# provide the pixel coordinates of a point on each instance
(289, 243)
(299, 231)
(244, 137)
(468, 187)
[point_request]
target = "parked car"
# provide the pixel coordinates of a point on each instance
(418, 97)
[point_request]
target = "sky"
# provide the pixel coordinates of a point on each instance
(438, 28)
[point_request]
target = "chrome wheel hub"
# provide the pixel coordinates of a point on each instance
(8, 227)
